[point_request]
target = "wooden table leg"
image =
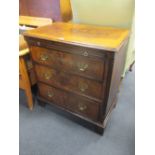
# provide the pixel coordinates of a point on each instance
(26, 82)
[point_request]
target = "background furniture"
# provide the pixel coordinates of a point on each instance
(57, 10)
(78, 68)
(27, 77)
(34, 22)
(26, 74)
(36, 13)
(119, 13)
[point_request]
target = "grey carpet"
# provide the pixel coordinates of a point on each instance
(44, 131)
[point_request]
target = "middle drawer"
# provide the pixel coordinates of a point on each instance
(69, 82)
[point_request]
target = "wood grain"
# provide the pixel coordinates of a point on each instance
(24, 82)
(79, 65)
(34, 21)
(73, 103)
(69, 82)
(57, 10)
(94, 36)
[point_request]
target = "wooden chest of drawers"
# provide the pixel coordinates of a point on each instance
(78, 68)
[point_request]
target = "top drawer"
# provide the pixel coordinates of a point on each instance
(81, 65)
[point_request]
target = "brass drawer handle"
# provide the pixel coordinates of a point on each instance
(82, 67)
(50, 94)
(83, 87)
(38, 43)
(82, 106)
(85, 54)
(47, 76)
(43, 57)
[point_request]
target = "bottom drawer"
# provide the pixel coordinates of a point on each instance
(73, 103)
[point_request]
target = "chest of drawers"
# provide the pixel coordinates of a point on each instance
(78, 68)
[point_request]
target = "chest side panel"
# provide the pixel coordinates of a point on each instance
(115, 72)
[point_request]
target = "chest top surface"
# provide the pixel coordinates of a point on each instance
(107, 38)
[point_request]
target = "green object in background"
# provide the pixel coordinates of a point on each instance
(130, 55)
(115, 13)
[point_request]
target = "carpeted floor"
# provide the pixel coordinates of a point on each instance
(44, 131)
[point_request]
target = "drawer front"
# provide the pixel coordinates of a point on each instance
(81, 65)
(51, 94)
(83, 107)
(72, 103)
(69, 82)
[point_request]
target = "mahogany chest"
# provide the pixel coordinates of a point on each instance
(78, 68)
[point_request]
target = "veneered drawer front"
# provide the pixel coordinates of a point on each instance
(81, 65)
(51, 94)
(73, 103)
(69, 82)
(86, 108)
